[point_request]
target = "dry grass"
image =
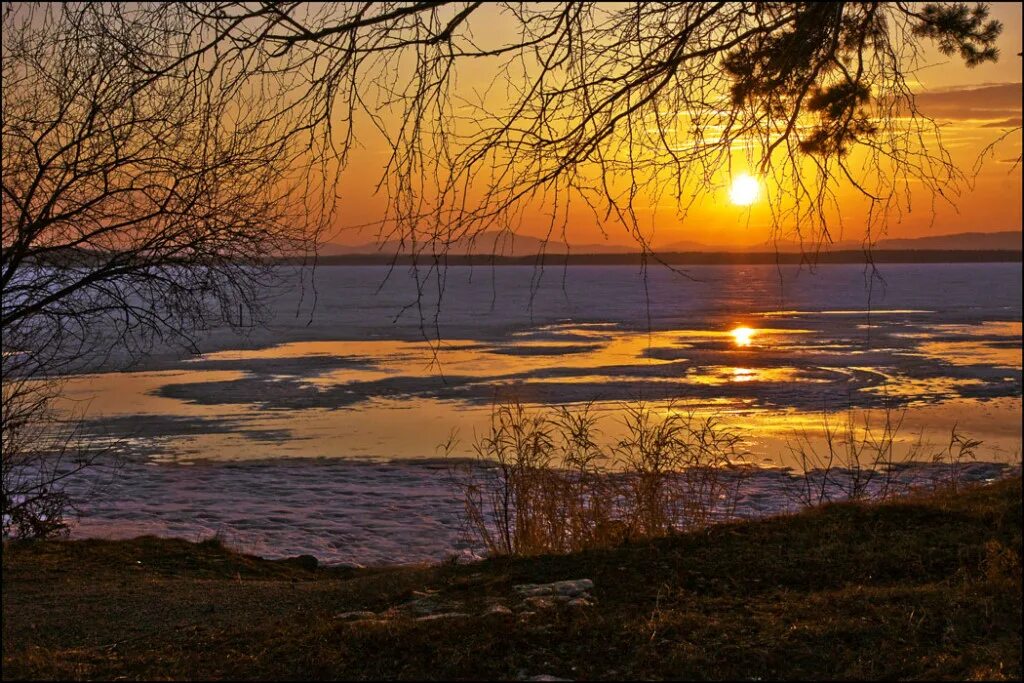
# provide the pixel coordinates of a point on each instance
(545, 482)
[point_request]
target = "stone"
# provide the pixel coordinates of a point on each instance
(571, 588)
(498, 610)
(355, 616)
(581, 601)
(443, 615)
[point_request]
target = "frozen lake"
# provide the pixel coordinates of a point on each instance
(361, 389)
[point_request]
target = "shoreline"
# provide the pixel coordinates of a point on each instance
(848, 590)
(367, 513)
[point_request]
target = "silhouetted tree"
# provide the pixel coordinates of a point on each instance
(140, 203)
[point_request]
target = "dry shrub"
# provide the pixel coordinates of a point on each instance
(860, 460)
(542, 482)
(41, 454)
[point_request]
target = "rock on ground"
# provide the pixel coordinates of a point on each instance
(571, 588)
(355, 616)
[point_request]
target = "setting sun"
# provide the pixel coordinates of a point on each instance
(744, 190)
(742, 336)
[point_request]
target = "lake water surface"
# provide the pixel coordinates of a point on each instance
(319, 433)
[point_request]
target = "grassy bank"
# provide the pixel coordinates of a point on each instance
(927, 587)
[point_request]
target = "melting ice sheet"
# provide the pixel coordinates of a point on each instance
(348, 382)
(395, 398)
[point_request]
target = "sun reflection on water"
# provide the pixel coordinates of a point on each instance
(341, 398)
(743, 335)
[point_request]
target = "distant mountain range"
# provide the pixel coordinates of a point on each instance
(1009, 240)
(507, 245)
(498, 243)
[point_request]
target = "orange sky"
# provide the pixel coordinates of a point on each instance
(975, 106)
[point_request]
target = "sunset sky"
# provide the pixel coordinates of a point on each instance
(974, 106)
